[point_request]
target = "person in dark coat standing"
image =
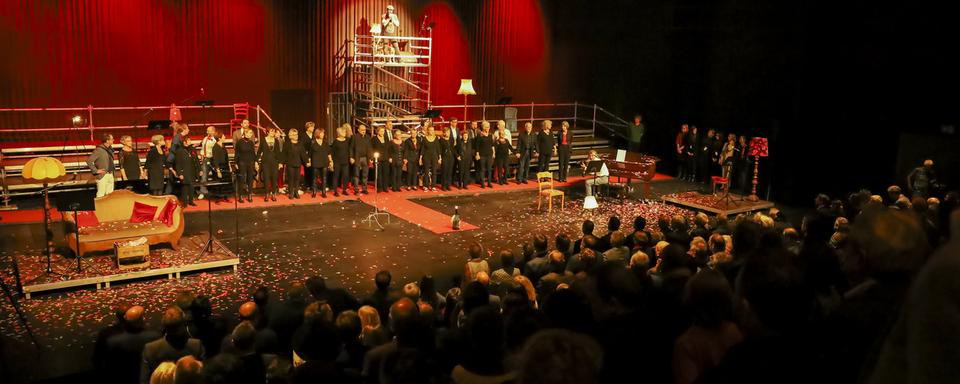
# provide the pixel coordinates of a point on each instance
(295, 157)
(360, 156)
(546, 146)
(175, 343)
(380, 164)
(321, 159)
(185, 171)
(246, 158)
(156, 162)
(340, 154)
(526, 147)
(564, 145)
(465, 151)
(446, 159)
(485, 155)
(394, 158)
(411, 159)
(269, 155)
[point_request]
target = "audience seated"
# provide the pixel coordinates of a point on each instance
(852, 295)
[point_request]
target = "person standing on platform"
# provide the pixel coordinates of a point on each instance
(475, 161)
(637, 130)
(340, 152)
(704, 154)
(447, 144)
(101, 164)
(546, 146)
(743, 165)
(466, 150)
(320, 160)
(727, 156)
(294, 157)
(564, 144)
(129, 160)
(179, 131)
(184, 169)
(454, 137)
(681, 145)
(246, 158)
(526, 147)
(430, 155)
(502, 151)
(382, 168)
(921, 179)
(501, 131)
(155, 165)
(307, 139)
(268, 157)
(360, 159)
(485, 156)
(241, 132)
(411, 160)
(206, 159)
(693, 149)
(394, 157)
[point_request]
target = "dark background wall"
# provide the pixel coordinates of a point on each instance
(832, 84)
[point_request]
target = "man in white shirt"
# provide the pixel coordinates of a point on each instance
(602, 177)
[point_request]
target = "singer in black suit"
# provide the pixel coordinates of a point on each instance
(269, 156)
(295, 157)
(430, 155)
(340, 151)
(156, 160)
(447, 157)
(526, 147)
(411, 158)
(320, 161)
(545, 146)
(360, 156)
(379, 145)
(465, 152)
(485, 153)
(185, 171)
(564, 143)
(394, 158)
(246, 157)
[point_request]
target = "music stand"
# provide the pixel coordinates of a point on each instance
(208, 246)
(76, 201)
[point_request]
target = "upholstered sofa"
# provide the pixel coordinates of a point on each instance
(114, 211)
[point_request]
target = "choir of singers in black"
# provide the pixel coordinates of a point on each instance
(427, 157)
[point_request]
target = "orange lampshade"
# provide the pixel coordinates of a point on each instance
(466, 87)
(44, 168)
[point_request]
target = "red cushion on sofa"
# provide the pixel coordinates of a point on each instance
(87, 219)
(166, 215)
(142, 213)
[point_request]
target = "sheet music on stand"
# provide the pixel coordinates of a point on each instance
(621, 155)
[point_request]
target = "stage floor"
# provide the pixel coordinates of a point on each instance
(280, 243)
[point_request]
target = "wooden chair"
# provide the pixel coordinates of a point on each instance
(545, 188)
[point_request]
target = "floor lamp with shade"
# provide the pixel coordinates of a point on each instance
(45, 169)
(466, 89)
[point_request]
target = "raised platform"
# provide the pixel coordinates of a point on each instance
(712, 204)
(100, 270)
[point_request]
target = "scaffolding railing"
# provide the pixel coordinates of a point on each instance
(592, 115)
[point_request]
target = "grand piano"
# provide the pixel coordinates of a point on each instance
(636, 166)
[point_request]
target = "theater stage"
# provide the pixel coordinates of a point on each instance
(281, 242)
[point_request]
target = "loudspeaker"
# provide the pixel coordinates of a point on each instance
(292, 108)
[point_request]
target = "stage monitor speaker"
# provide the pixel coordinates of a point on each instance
(292, 108)
(510, 116)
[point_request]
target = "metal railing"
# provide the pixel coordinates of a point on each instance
(46, 123)
(576, 112)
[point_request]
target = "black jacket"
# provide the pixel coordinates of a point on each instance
(485, 145)
(269, 157)
(360, 146)
(245, 151)
(184, 165)
(319, 154)
(545, 142)
(527, 143)
(411, 149)
(294, 155)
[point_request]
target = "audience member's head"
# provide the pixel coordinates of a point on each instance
(382, 280)
(475, 251)
(484, 331)
(590, 242)
(164, 373)
(894, 193)
(248, 311)
(746, 238)
(616, 239)
(349, 326)
(791, 235)
(404, 318)
(701, 220)
(562, 242)
(319, 341)
(674, 259)
(243, 338)
(540, 243)
(557, 258)
(412, 291)
(775, 292)
(640, 260)
(317, 286)
(663, 224)
(261, 296)
(709, 298)
(587, 227)
(297, 293)
(133, 319)
(318, 311)
(639, 223)
(560, 356)
(189, 371)
(475, 295)
(717, 244)
(369, 318)
(172, 322)
(888, 242)
(613, 224)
